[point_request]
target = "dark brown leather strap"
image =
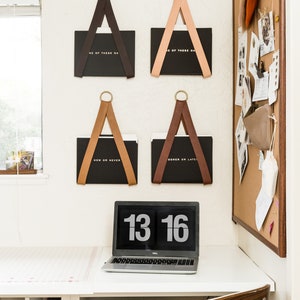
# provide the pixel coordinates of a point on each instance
(106, 110)
(180, 6)
(181, 113)
(112, 22)
(104, 8)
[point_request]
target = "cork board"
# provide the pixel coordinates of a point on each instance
(246, 187)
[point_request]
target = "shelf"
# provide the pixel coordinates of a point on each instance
(15, 172)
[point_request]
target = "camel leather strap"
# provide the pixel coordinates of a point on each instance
(104, 8)
(180, 6)
(106, 111)
(182, 113)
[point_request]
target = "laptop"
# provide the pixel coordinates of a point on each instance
(155, 237)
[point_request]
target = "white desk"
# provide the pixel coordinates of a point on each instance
(74, 272)
(221, 270)
(36, 272)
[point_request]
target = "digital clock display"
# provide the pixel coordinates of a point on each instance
(157, 226)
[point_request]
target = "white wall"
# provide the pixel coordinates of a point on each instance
(57, 211)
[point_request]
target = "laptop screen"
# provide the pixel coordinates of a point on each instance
(154, 228)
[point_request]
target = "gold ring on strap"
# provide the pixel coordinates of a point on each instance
(106, 96)
(181, 95)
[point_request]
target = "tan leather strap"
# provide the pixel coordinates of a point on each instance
(181, 113)
(104, 8)
(180, 6)
(106, 111)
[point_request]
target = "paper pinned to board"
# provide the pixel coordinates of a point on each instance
(263, 204)
(261, 88)
(274, 78)
(242, 148)
(264, 199)
(254, 55)
(266, 34)
(241, 66)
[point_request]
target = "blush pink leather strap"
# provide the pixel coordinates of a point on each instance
(180, 6)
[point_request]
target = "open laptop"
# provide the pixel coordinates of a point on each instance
(155, 237)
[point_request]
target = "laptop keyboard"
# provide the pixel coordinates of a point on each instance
(153, 261)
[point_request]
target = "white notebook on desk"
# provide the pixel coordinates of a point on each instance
(155, 237)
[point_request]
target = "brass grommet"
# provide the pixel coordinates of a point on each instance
(181, 95)
(108, 98)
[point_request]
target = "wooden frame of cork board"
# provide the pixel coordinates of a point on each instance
(246, 188)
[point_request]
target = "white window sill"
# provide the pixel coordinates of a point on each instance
(23, 179)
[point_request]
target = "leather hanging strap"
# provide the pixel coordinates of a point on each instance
(180, 6)
(104, 8)
(182, 113)
(106, 111)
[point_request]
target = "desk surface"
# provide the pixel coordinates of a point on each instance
(220, 270)
(77, 271)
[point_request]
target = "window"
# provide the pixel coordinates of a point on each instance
(20, 87)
